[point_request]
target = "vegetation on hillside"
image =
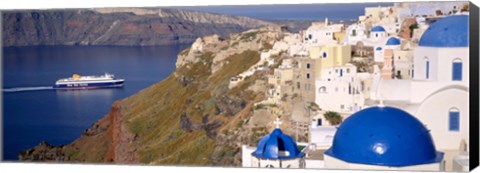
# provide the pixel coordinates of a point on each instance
(196, 95)
(191, 117)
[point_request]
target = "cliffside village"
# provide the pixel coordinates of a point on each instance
(358, 87)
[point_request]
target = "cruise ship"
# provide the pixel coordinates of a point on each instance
(86, 82)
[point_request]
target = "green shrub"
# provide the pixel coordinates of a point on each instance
(333, 118)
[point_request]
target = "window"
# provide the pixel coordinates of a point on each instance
(348, 70)
(309, 36)
(376, 34)
(324, 54)
(308, 75)
(308, 65)
(427, 68)
(413, 74)
(322, 89)
(457, 70)
(349, 88)
(354, 32)
(341, 72)
(454, 120)
(269, 166)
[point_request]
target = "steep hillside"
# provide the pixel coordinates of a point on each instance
(117, 26)
(190, 118)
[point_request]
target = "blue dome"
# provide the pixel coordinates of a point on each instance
(270, 145)
(450, 31)
(392, 41)
(378, 29)
(384, 136)
(378, 48)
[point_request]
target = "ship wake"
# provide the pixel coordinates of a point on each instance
(20, 89)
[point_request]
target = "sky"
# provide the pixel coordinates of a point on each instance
(292, 12)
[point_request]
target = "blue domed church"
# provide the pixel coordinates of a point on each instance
(438, 93)
(383, 138)
(425, 126)
(277, 150)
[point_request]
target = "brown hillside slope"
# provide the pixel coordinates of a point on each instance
(189, 118)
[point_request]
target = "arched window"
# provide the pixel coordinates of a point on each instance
(354, 32)
(322, 89)
(454, 119)
(457, 69)
(324, 54)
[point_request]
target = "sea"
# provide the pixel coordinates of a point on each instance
(34, 112)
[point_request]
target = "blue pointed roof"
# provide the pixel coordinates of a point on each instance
(378, 29)
(270, 145)
(392, 41)
(384, 136)
(451, 31)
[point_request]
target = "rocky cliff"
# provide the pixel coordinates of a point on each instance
(190, 118)
(118, 26)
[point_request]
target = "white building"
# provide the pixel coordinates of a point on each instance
(385, 21)
(375, 14)
(355, 33)
(403, 63)
(377, 38)
(431, 8)
(377, 33)
(438, 95)
(392, 43)
(341, 89)
(322, 33)
(321, 139)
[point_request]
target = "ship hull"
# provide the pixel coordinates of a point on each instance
(89, 85)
